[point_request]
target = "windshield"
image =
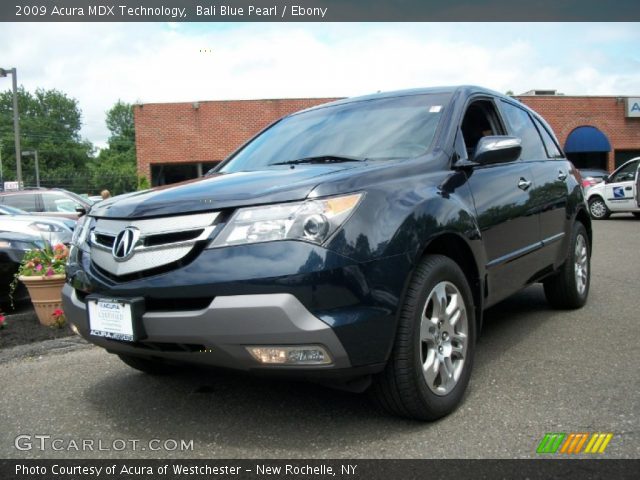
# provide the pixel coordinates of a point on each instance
(396, 127)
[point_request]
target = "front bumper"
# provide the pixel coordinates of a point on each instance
(355, 303)
(218, 334)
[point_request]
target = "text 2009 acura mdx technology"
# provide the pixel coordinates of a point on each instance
(356, 242)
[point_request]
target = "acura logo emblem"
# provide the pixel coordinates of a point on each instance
(125, 242)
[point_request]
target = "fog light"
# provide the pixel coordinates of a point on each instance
(298, 355)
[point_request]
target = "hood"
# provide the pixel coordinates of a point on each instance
(61, 221)
(19, 236)
(597, 188)
(218, 191)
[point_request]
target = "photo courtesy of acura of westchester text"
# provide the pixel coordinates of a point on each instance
(237, 238)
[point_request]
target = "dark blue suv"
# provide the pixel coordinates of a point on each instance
(356, 243)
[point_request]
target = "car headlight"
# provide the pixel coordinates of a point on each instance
(81, 231)
(313, 220)
(46, 227)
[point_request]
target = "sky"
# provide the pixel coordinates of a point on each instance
(100, 63)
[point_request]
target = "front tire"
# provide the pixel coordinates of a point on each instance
(569, 288)
(637, 215)
(598, 209)
(430, 365)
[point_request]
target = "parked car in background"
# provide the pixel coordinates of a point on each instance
(18, 213)
(50, 230)
(50, 202)
(13, 245)
(618, 193)
(591, 176)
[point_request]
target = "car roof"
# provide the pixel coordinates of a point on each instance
(69, 193)
(466, 90)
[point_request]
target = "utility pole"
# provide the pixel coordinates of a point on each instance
(35, 154)
(16, 120)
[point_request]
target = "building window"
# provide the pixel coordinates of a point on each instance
(166, 173)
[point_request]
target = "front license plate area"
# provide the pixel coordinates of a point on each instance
(114, 319)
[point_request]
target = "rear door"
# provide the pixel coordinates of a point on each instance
(550, 197)
(621, 188)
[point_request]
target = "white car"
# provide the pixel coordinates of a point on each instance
(53, 231)
(618, 193)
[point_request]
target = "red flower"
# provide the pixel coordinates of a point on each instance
(57, 313)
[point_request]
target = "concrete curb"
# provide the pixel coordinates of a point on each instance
(46, 347)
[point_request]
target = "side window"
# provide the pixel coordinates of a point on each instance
(552, 149)
(58, 202)
(480, 120)
(25, 201)
(626, 173)
(521, 125)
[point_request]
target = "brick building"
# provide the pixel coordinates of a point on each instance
(595, 131)
(178, 141)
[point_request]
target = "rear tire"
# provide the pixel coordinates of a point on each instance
(147, 365)
(569, 288)
(637, 215)
(432, 357)
(598, 209)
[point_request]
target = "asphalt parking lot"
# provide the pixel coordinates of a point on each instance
(537, 370)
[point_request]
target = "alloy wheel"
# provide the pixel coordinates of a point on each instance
(598, 209)
(444, 334)
(581, 266)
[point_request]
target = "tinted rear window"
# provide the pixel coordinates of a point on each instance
(24, 201)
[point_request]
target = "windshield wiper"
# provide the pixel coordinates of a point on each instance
(322, 159)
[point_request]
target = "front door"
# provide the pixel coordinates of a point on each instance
(506, 213)
(621, 188)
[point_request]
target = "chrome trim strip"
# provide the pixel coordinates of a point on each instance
(515, 254)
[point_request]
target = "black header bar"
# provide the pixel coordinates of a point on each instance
(318, 11)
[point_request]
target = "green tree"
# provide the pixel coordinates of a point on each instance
(115, 166)
(50, 122)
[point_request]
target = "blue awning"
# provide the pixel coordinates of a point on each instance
(587, 139)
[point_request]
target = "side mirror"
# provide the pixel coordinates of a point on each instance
(81, 211)
(497, 149)
(605, 179)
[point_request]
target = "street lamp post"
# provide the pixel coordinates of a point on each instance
(16, 120)
(35, 154)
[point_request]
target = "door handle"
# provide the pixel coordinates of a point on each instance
(524, 184)
(628, 188)
(562, 175)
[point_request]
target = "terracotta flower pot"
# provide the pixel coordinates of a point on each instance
(46, 295)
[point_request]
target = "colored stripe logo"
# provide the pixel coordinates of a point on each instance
(573, 443)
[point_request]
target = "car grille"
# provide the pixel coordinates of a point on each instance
(161, 242)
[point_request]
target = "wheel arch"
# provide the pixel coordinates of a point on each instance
(456, 248)
(583, 217)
